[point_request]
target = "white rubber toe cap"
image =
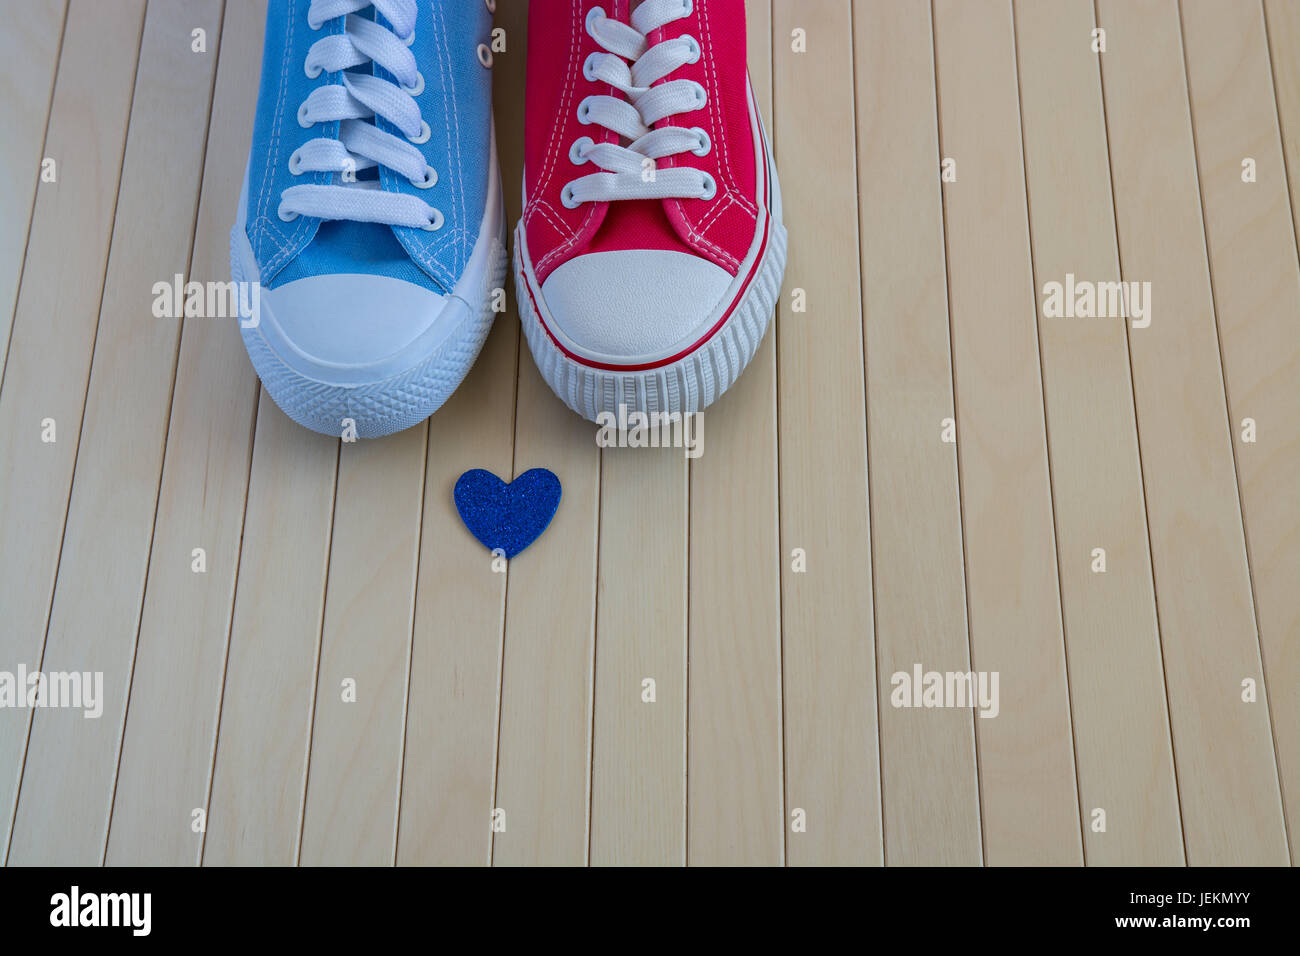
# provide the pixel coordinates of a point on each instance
(354, 329)
(633, 306)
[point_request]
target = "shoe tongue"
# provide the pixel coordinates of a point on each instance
(346, 247)
(358, 247)
(636, 224)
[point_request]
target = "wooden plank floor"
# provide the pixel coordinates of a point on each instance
(306, 658)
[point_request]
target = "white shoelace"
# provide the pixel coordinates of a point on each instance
(633, 66)
(355, 103)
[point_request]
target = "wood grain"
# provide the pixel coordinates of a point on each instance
(449, 756)
(48, 364)
(928, 760)
(170, 734)
(176, 687)
(1027, 774)
(1121, 723)
(350, 813)
(1256, 285)
(1223, 750)
(638, 772)
(544, 751)
(29, 57)
(734, 779)
(1282, 24)
(106, 546)
(828, 664)
(259, 777)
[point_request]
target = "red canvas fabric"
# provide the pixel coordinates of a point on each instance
(720, 229)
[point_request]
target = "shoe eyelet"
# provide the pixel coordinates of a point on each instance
(430, 179)
(584, 112)
(417, 89)
(567, 198)
(577, 152)
(695, 48)
(423, 136)
(593, 15)
(701, 97)
(285, 217)
(312, 74)
(410, 39)
(688, 7)
(589, 68)
(435, 223)
(295, 163)
(485, 55)
(710, 187)
(302, 117)
(706, 144)
(491, 5)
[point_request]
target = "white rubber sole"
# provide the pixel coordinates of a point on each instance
(684, 385)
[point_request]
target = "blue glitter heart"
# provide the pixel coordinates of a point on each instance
(507, 516)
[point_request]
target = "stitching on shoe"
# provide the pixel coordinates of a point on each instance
(549, 214)
(458, 237)
(722, 253)
(575, 40)
(712, 71)
(305, 227)
(269, 235)
(717, 212)
(551, 161)
(568, 243)
(264, 191)
(455, 113)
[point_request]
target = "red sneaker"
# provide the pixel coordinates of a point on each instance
(651, 250)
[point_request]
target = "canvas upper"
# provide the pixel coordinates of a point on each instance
(719, 230)
(456, 103)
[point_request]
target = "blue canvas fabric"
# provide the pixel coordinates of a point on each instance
(456, 103)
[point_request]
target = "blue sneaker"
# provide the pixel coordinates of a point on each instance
(371, 226)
